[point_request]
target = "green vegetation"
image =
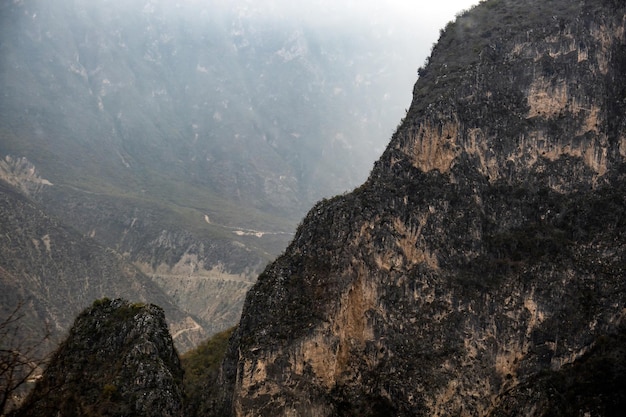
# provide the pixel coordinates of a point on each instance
(201, 367)
(101, 302)
(109, 390)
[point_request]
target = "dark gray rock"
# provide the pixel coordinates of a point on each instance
(119, 360)
(480, 269)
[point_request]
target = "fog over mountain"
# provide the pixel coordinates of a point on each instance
(192, 136)
(480, 270)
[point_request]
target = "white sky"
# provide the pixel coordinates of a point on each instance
(422, 17)
(413, 25)
(420, 20)
(432, 13)
(416, 21)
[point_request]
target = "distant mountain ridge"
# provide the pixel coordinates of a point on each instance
(178, 88)
(189, 138)
(55, 272)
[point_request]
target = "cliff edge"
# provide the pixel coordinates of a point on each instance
(480, 269)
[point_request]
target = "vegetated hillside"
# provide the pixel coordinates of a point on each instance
(118, 360)
(202, 367)
(480, 270)
(55, 272)
(190, 137)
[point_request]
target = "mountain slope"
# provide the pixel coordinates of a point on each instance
(480, 269)
(147, 96)
(56, 272)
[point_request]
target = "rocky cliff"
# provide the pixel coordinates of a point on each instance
(118, 360)
(480, 270)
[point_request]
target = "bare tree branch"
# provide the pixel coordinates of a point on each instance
(21, 359)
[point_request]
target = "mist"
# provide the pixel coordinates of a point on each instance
(192, 137)
(406, 27)
(271, 105)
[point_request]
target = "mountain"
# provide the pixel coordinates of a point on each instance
(50, 273)
(480, 270)
(190, 137)
(118, 360)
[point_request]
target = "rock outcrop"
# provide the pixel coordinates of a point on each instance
(480, 270)
(118, 360)
(21, 174)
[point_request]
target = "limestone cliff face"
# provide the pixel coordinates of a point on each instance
(480, 269)
(118, 360)
(524, 90)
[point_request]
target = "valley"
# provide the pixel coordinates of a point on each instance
(166, 131)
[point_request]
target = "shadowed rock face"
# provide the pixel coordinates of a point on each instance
(118, 360)
(480, 269)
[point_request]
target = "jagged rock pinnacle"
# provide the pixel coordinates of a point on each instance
(118, 360)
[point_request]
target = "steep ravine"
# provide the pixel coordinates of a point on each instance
(480, 269)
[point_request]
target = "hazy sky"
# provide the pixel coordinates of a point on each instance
(409, 27)
(413, 25)
(432, 14)
(418, 13)
(420, 19)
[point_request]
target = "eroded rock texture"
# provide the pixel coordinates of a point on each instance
(480, 269)
(118, 360)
